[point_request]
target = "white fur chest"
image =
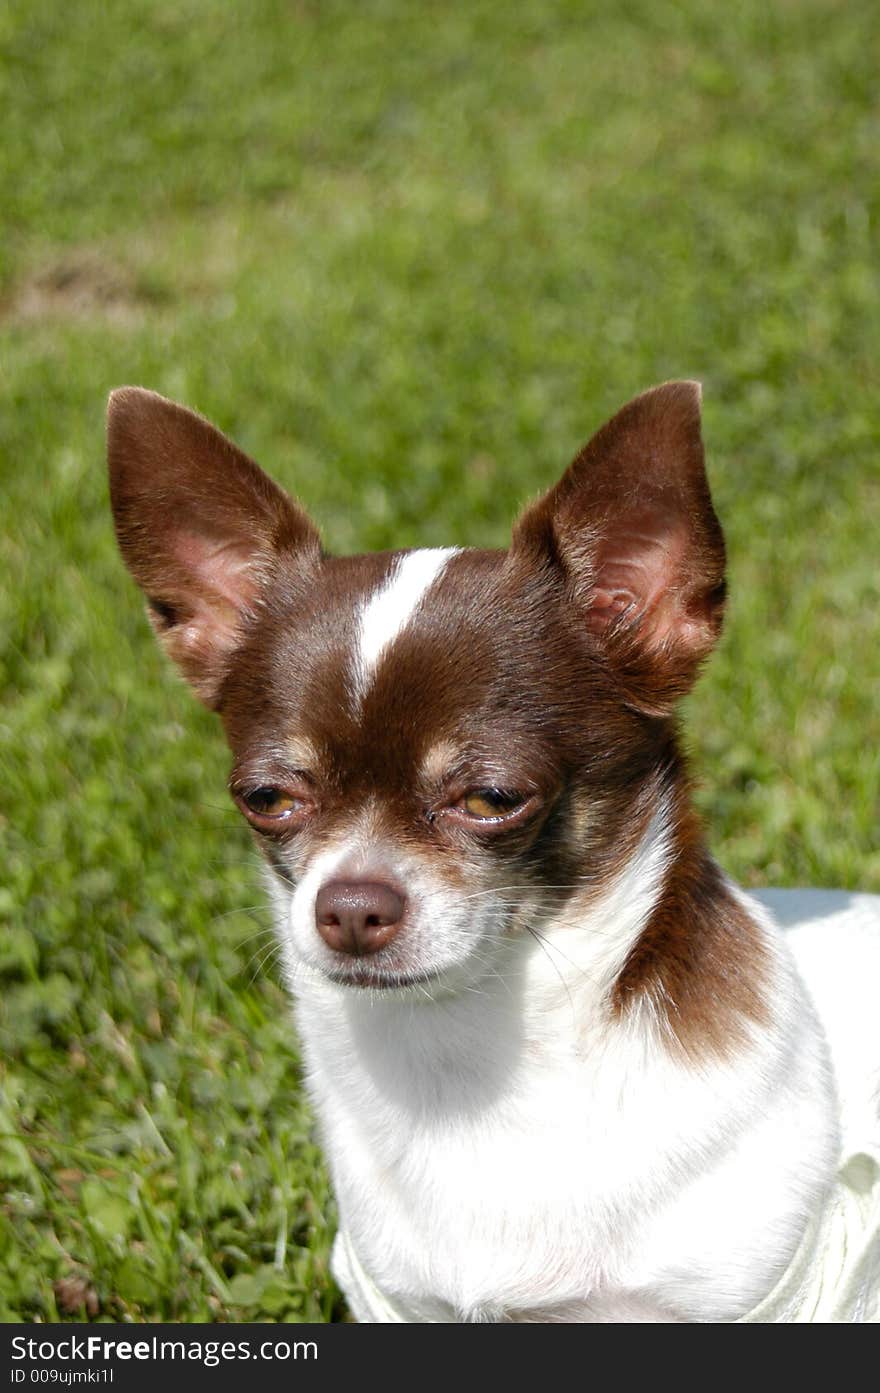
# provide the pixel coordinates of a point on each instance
(502, 1155)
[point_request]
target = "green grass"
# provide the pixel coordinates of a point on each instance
(409, 256)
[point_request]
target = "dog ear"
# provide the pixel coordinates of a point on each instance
(632, 527)
(200, 527)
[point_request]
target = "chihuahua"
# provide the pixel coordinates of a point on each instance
(564, 1069)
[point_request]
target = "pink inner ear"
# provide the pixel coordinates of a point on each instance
(223, 569)
(217, 583)
(221, 585)
(640, 577)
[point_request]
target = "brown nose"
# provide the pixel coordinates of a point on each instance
(358, 916)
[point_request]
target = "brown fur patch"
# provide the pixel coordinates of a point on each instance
(631, 527)
(201, 528)
(699, 959)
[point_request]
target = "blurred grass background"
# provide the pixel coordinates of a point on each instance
(409, 256)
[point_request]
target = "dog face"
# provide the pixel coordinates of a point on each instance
(435, 749)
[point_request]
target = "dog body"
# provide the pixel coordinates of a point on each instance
(499, 1157)
(565, 1071)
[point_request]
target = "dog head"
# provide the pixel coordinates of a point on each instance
(434, 748)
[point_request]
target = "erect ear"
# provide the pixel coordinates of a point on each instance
(632, 527)
(200, 527)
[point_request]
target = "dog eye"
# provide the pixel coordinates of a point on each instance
(487, 803)
(270, 802)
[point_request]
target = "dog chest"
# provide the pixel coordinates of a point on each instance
(480, 1189)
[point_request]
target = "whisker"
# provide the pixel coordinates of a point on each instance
(526, 888)
(249, 861)
(546, 949)
(247, 909)
(265, 962)
(260, 933)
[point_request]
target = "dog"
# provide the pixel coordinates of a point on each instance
(564, 1069)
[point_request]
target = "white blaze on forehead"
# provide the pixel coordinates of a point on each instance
(388, 611)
